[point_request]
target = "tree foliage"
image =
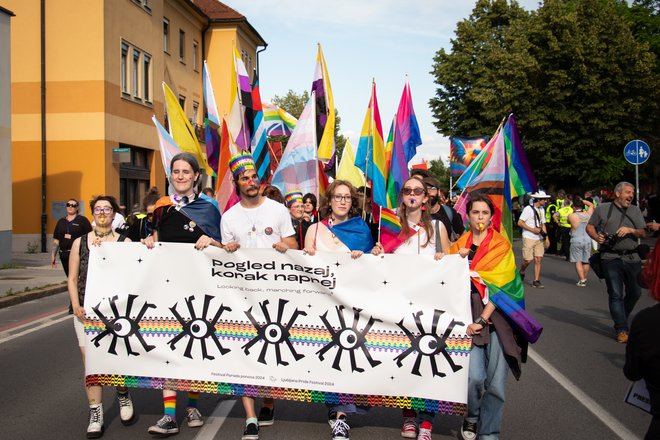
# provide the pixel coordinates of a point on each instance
(579, 82)
(440, 171)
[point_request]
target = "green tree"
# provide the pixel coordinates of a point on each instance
(578, 81)
(440, 171)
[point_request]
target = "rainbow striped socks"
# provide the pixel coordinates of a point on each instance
(170, 406)
(193, 397)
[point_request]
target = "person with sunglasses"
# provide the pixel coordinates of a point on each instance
(103, 209)
(67, 229)
(341, 230)
(419, 236)
(183, 217)
(255, 222)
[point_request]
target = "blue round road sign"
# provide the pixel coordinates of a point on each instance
(636, 152)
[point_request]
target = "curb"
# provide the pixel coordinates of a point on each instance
(12, 300)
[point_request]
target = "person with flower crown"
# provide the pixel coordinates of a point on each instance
(255, 222)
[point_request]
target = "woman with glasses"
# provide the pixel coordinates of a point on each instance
(68, 228)
(341, 230)
(419, 236)
(103, 209)
(183, 217)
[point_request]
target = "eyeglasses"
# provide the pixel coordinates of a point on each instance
(71, 205)
(339, 198)
(417, 191)
(105, 210)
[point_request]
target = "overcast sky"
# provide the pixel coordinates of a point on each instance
(384, 40)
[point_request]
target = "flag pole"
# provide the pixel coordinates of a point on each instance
(316, 152)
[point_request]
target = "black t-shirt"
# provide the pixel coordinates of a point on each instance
(174, 227)
(67, 231)
(455, 224)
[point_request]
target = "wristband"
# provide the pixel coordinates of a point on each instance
(481, 321)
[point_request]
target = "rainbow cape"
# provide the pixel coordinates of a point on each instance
(203, 211)
(497, 280)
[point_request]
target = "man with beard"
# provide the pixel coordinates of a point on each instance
(616, 226)
(255, 222)
(443, 212)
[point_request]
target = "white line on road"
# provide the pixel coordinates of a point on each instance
(45, 322)
(215, 420)
(601, 413)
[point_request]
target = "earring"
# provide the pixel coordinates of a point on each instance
(423, 207)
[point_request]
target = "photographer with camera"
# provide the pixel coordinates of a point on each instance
(616, 226)
(535, 236)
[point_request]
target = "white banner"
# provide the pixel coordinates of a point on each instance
(376, 331)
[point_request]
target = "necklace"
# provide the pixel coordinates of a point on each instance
(102, 234)
(252, 219)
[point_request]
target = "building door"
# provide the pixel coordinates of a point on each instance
(134, 179)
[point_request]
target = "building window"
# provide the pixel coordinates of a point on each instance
(135, 72)
(146, 72)
(182, 46)
(123, 67)
(144, 4)
(195, 110)
(182, 102)
(194, 54)
(166, 35)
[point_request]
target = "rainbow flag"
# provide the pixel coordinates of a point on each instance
(278, 122)
(225, 193)
(499, 280)
(325, 109)
(370, 156)
(390, 231)
(500, 172)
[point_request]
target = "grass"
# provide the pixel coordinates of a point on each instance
(10, 266)
(11, 291)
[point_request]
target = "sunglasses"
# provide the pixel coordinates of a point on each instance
(71, 205)
(417, 191)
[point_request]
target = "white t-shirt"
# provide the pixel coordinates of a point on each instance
(259, 227)
(415, 244)
(530, 220)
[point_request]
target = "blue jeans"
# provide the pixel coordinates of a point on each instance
(619, 274)
(486, 388)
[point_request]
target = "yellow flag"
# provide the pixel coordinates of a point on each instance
(347, 169)
(181, 130)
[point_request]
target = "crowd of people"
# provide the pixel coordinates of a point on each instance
(342, 221)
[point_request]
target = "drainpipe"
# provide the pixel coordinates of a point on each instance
(44, 216)
(258, 52)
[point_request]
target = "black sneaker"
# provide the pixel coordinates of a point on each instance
(164, 427)
(266, 416)
(468, 430)
(251, 432)
(332, 417)
(538, 284)
(340, 429)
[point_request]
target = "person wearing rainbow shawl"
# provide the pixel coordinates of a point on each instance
(341, 230)
(501, 327)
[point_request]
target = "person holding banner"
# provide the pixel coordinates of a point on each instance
(341, 230)
(103, 209)
(262, 223)
(418, 236)
(496, 345)
(183, 217)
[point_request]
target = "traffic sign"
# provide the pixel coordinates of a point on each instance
(636, 152)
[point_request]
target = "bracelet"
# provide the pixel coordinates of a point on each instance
(481, 321)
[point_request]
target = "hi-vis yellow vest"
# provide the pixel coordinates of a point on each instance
(563, 216)
(549, 211)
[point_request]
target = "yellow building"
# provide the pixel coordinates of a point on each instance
(103, 65)
(5, 136)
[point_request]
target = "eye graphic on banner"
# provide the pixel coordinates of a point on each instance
(198, 328)
(122, 326)
(348, 339)
(428, 344)
(273, 332)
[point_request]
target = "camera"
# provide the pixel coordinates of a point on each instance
(610, 239)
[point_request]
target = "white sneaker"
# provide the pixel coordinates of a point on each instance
(95, 427)
(424, 434)
(193, 417)
(125, 408)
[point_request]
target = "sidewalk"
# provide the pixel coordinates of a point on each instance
(32, 278)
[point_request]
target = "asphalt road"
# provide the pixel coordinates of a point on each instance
(572, 386)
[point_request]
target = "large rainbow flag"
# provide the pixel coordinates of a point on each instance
(500, 171)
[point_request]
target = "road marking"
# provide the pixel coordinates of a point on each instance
(29, 321)
(215, 421)
(601, 413)
(45, 322)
